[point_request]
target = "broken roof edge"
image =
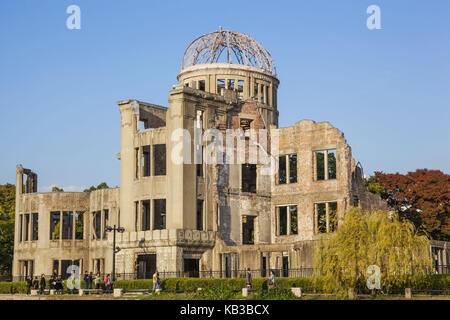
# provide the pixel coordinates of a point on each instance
(222, 65)
(148, 104)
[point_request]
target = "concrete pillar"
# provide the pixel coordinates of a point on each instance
(408, 293)
(297, 291)
(129, 112)
(245, 292)
(117, 292)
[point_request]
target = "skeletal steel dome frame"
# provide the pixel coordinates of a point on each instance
(239, 48)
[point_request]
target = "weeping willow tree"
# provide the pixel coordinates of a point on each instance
(371, 238)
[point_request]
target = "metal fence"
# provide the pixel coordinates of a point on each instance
(262, 273)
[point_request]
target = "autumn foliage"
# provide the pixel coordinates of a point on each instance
(423, 197)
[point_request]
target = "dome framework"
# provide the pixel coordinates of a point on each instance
(238, 48)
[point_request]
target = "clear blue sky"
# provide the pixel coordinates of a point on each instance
(388, 90)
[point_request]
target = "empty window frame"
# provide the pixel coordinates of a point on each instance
(220, 85)
(326, 217)
(255, 90)
(79, 225)
(35, 226)
(331, 161)
(249, 178)
(287, 169)
(21, 227)
(67, 225)
(292, 168)
(282, 172)
(248, 230)
(199, 218)
(146, 161)
(55, 225)
(105, 221)
(145, 215)
(202, 85)
(136, 155)
(97, 224)
(160, 214)
(325, 164)
(282, 218)
(240, 86)
(159, 159)
(287, 220)
(136, 215)
(230, 84)
(27, 226)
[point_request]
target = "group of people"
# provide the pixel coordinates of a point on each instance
(89, 280)
(270, 281)
(55, 283)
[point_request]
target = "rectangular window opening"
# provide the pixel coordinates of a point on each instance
(199, 215)
(282, 170)
(146, 160)
(201, 85)
(321, 218)
(293, 168)
(248, 229)
(220, 85)
(145, 215)
(79, 225)
(159, 160)
(294, 220)
(160, 214)
(35, 227)
(331, 164)
(249, 178)
(55, 225)
(320, 165)
(67, 224)
(282, 212)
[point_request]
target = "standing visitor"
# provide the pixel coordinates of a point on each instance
(249, 280)
(42, 284)
(52, 282)
(59, 285)
(97, 281)
(86, 280)
(156, 280)
(108, 284)
(29, 285)
(36, 283)
(271, 280)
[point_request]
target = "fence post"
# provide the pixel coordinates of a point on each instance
(408, 293)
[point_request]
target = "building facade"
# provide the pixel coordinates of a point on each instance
(192, 217)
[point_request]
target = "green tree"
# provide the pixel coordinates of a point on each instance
(7, 213)
(56, 189)
(371, 238)
(102, 185)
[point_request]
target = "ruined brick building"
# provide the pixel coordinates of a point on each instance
(200, 219)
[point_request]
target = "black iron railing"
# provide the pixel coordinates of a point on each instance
(261, 273)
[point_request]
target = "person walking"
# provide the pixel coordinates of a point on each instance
(271, 280)
(86, 280)
(97, 281)
(42, 284)
(156, 280)
(29, 285)
(249, 280)
(108, 284)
